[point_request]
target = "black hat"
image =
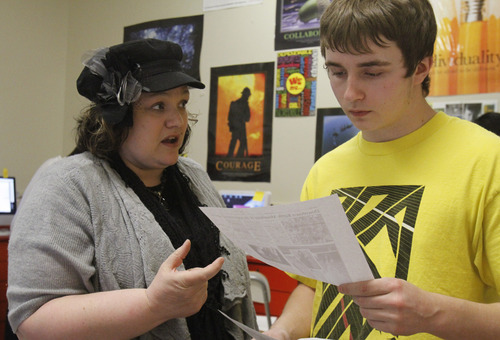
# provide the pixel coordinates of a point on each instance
(114, 77)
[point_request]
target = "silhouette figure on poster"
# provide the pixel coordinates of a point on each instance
(239, 115)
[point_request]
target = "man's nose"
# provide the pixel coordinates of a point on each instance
(353, 90)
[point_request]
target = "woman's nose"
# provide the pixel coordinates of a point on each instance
(175, 118)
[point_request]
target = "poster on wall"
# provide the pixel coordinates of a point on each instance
(296, 79)
(185, 31)
(332, 129)
(468, 110)
(467, 49)
(297, 23)
(240, 123)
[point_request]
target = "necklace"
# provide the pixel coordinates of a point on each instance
(157, 191)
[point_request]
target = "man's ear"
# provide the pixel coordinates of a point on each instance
(422, 70)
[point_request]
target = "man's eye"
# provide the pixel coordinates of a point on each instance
(373, 74)
(334, 72)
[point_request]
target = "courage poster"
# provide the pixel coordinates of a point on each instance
(240, 123)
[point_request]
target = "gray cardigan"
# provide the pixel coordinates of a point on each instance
(79, 229)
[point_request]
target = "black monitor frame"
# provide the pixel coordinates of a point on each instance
(13, 203)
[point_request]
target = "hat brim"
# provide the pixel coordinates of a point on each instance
(169, 80)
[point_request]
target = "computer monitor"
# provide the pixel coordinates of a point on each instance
(246, 198)
(7, 199)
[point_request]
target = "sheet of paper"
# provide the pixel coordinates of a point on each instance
(250, 331)
(256, 334)
(211, 5)
(311, 238)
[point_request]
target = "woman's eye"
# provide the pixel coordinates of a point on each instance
(158, 106)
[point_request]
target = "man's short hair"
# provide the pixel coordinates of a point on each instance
(347, 26)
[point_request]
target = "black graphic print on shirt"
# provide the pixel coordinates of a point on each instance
(384, 215)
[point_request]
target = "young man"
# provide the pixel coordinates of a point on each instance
(421, 190)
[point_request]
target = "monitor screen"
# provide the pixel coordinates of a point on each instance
(7, 195)
(246, 199)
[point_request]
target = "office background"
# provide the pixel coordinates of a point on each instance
(41, 42)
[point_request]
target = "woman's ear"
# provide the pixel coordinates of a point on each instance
(422, 70)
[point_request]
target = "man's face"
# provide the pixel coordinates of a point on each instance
(373, 91)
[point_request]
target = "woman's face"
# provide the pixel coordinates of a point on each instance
(160, 123)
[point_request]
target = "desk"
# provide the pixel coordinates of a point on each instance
(4, 241)
(280, 283)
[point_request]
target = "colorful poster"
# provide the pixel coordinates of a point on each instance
(296, 74)
(240, 123)
(297, 23)
(185, 31)
(467, 49)
(332, 129)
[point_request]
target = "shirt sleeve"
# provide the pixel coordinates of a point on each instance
(51, 248)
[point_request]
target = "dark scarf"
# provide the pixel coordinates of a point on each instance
(180, 217)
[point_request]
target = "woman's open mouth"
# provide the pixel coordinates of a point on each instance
(170, 140)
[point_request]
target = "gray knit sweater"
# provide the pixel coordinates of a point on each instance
(79, 229)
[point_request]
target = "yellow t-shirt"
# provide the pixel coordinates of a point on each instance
(425, 208)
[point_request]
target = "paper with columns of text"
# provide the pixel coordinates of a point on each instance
(310, 238)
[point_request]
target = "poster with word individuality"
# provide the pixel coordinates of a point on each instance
(467, 48)
(240, 123)
(296, 76)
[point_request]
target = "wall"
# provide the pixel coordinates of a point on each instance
(33, 43)
(232, 36)
(63, 30)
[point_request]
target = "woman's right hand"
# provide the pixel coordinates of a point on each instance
(178, 294)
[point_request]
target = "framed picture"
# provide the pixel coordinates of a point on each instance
(332, 129)
(185, 31)
(240, 122)
(468, 110)
(297, 23)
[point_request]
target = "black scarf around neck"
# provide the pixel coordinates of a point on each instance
(180, 217)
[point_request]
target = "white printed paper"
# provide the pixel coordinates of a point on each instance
(311, 238)
(250, 331)
(211, 5)
(256, 334)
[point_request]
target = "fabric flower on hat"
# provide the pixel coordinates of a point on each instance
(118, 83)
(114, 77)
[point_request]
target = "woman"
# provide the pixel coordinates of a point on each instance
(101, 240)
